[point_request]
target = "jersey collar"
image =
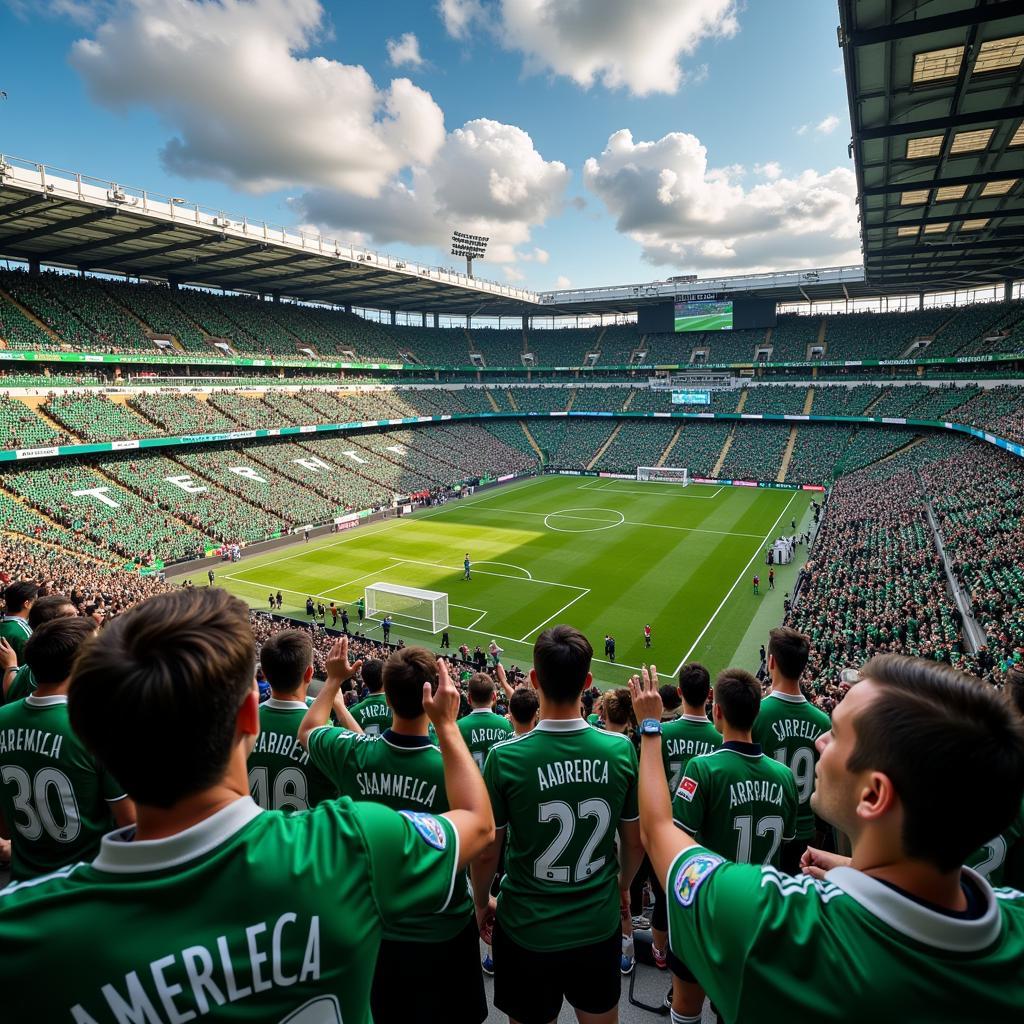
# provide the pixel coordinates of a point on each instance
(560, 725)
(46, 702)
(787, 697)
(20, 621)
(405, 742)
(481, 711)
(695, 718)
(121, 853)
(739, 747)
(921, 923)
(285, 705)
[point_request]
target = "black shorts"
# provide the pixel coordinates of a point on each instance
(441, 982)
(679, 969)
(529, 986)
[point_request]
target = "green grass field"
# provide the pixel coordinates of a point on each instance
(604, 555)
(708, 322)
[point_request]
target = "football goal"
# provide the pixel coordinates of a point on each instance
(408, 606)
(664, 474)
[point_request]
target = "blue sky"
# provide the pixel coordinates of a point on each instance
(729, 119)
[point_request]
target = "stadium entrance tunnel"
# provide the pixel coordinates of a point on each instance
(583, 520)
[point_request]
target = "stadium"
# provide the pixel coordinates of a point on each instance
(226, 443)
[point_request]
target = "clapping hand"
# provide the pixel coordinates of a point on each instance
(646, 698)
(338, 667)
(8, 658)
(442, 704)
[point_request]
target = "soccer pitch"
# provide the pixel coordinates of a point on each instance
(605, 555)
(707, 322)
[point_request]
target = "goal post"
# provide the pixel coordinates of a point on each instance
(408, 606)
(664, 474)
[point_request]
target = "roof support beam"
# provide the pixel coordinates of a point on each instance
(216, 257)
(57, 227)
(939, 23)
(28, 203)
(993, 114)
(959, 179)
(112, 240)
(131, 262)
(287, 261)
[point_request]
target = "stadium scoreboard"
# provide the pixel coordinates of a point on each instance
(691, 397)
(703, 312)
(706, 312)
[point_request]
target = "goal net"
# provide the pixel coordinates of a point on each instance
(408, 606)
(664, 474)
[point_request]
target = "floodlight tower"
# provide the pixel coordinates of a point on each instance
(473, 247)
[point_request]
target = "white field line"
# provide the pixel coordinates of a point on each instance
(537, 629)
(610, 486)
(503, 575)
(476, 620)
(742, 573)
(625, 522)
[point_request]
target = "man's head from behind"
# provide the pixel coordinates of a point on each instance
(737, 699)
(788, 651)
(405, 672)
(481, 690)
(523, 706)
(912, 755)
(53, 606)
(561, 664)
(51, 650)
(372, 673)
(176, 675)
(287, 660)
(18, 597)
(694, 685)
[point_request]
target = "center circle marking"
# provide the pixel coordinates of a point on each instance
(570, 515)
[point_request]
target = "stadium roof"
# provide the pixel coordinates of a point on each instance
(936, 93)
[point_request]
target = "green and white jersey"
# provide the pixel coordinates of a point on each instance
(16, 631)
(738, 802)
(53, 793)
(684, 738)
(23, 684)
(561, 790)
(280, 775)
(999, 861)
(250, 915)
(482, 729)
(405, 773)
(372, 714)
(848, 948)
(787, 728)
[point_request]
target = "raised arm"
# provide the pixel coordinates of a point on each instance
(470, 807)
(662, 840)
(338, 670)
(506, 686)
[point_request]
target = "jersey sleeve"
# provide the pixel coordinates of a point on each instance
(111, 789)
(414, 859)
(492, 780)
(330, 749)
(688, 800)
(631, 806)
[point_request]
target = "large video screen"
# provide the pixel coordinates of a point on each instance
(703, 315)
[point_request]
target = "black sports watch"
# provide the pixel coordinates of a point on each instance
(650, 727)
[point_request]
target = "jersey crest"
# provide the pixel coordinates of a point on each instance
(687, 788)
(692, 874)
(429, 828)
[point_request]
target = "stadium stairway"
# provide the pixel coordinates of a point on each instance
(611, 437)
(668, 448)
(40, 514)
(787, 455)
(533, 441)
(492, 400)
(512, 401)
(726, 446)
(36, 403)
(742, 403)
(572, 399)
(26, 312)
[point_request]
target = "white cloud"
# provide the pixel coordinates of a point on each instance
(534, 255)
(512, 273)
(637, 46)
(771, 170)
(405, 50)
(227, 78)
(487, 179)
(803, 129)
(562, 282)
(684, 214)
(828, 125)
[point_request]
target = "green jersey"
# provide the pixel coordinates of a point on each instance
(280, 775)
(250, 915)
(999, 861)
(685, 738)
(787, 728)
(372, 714)
(739, 803)
(53, 793)
(23, 684)
(561, 790)
(845, 948)
(16, 632)
(482, 729)
(405, 773)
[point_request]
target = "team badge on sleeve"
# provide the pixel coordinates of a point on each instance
(692, 874)
(429, 827)
(687, 788)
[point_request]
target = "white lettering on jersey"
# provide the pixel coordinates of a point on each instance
(35, 741)
(786, 728)
(209, 978)
(402, 787)
(281, 744)
(99, 493)
(580, 769)
(749, 790)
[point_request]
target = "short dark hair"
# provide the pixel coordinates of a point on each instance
(695, 684)
(405, 672)
(18, 594)
(51, 607)
(561, 659)
(931, 714)
(1015, 688)
(173, 671)
(670, 698)
(618, 707)
(372, 674)
(481, 689)
(523, 705)
(51, 650)
(285, 658)
(791, 649)
(738, 694)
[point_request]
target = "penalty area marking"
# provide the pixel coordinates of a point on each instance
(508, 565)
(567, 513)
